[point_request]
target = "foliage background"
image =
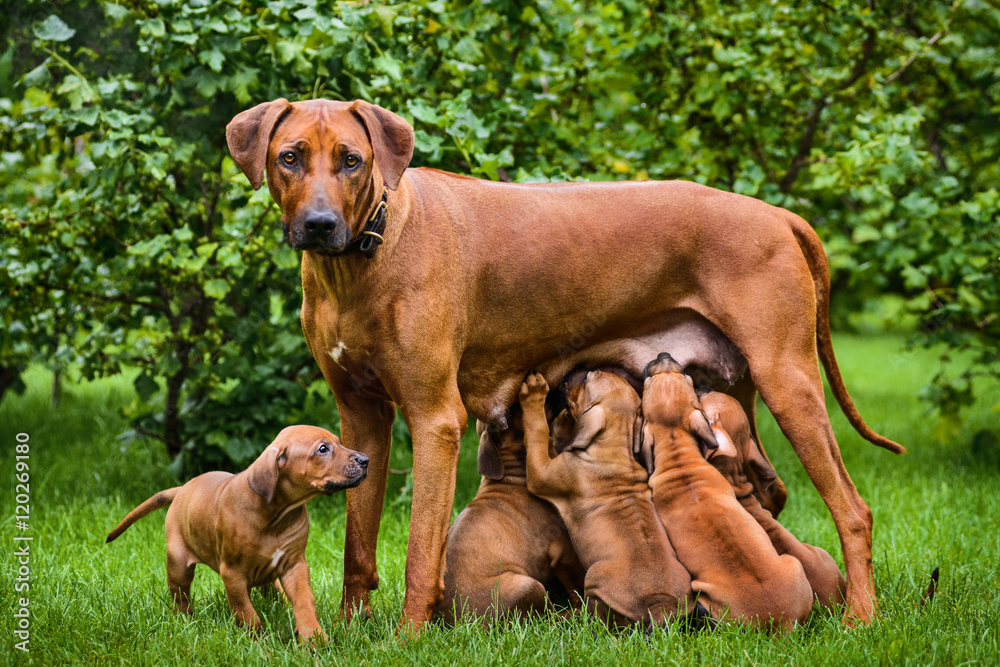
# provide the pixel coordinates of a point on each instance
(132, 243)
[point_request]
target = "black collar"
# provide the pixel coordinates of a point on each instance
(370, 238)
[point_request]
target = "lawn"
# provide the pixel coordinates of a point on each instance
(93, 602)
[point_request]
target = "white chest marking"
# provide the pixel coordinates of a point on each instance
(337, 352)
(278, 553)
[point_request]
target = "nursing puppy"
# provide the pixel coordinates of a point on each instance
(507, 546)
(633, 576)
(735, 570)
(737, 454)
(252, 528)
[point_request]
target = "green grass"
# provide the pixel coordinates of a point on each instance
(98, 603)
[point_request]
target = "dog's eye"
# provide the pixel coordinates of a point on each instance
(352, 161)
(289, 158)
(323, 449)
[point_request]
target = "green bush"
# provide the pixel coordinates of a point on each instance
(130, 239)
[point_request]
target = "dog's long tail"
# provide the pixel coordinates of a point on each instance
(161, 499)
(815, 256)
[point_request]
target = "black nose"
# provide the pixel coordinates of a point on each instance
(320, 224)
(361, 460)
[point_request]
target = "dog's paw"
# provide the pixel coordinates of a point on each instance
(312, 638)
(534, 389)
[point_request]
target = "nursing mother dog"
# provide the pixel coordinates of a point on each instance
(437, 293)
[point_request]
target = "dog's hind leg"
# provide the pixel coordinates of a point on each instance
(779, 343)
(180, 573)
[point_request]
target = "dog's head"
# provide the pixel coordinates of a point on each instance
(669, 400)
(325, 163)
(602, 411)
(732, 431)
(497, 444)
(304, 462)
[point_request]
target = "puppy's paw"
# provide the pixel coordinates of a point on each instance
(534, 389)
(312, 638)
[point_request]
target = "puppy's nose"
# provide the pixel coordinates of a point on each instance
(361, 460)
(320, 224)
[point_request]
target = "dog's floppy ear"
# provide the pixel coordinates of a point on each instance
(262, 475)
(588, 426)
(562, 430)
(249, 134)
(648, 441)
(764, 470)
(642, 451)
(726, 446)
(391, 137)
(488, 462)
(701, 428)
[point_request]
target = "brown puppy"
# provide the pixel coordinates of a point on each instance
(507, 545)
(601, 493)
(734, 569)
(252, 528)
(737, 458)
(476, 283)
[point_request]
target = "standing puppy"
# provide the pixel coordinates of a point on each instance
(734, 569)
(507, 544)
(601, 493)
(252, 528)
(738, 453)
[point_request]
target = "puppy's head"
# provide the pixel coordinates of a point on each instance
(496, 443)
(604, 407)
(669, 400)
(304, 462)
(732, 428)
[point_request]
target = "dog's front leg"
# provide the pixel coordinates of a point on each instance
(436, 434)
(238, 596)
(365, 426)
(295, 583)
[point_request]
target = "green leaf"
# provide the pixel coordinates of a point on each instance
(213, 58)
(145, 386)
(39, 76)
(53, 29)
(387, 64)
(154, 28)
(216, 288)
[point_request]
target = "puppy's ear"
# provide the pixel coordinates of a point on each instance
(641, 450)
(262, 475)
(755, 459)
(562, 430)
(248, 135)
(726, 446)
(588, 426)
(648, 442)
(700, 427)
(488, 462)
(391, 137)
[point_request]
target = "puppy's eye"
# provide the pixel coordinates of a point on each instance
(352, 161)
(323, 449)
(289, 158)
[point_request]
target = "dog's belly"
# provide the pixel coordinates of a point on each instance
(488, 389)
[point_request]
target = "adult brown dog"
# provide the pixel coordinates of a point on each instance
(633, 575)
(476, 283)
(252, 528)
(507, 545)
(734, 568)
(739, 460)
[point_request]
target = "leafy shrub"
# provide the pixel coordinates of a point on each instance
(131, 240)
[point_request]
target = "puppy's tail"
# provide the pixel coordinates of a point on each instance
(815, 257)
(161, 499)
